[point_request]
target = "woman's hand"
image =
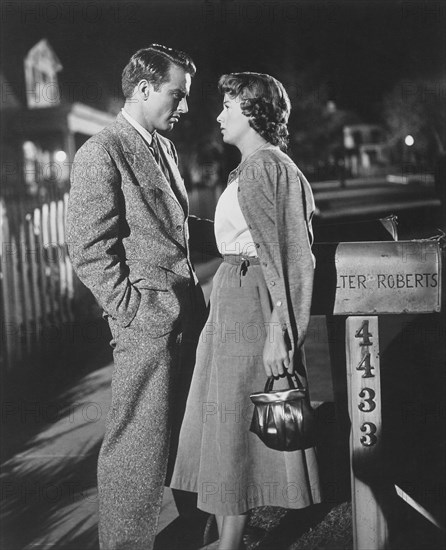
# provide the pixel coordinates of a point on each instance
(277, 357)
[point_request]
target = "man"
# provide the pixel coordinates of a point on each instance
(128, 235)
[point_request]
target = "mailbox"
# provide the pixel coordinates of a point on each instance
(363, 280)
(375, 278)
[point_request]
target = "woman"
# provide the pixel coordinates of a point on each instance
(259, 313)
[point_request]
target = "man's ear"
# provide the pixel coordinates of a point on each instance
(144, 88)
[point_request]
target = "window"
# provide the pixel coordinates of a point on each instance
(30, 166)
(41, 68)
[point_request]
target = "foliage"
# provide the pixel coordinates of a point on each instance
(417, 108)
(316, 122)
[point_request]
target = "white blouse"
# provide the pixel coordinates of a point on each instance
(231, 230)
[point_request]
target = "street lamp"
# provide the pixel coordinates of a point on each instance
(60, 156)
(409, 141)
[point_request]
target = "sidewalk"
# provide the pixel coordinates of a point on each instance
(50, 482)
(50, 485)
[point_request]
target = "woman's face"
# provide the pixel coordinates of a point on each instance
(233, 123)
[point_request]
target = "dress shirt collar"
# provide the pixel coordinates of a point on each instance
(144, 133)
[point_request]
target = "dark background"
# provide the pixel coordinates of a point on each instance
(352, 53)
(358, 49)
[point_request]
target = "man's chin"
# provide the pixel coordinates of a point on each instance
(166, 126)
(170, 124)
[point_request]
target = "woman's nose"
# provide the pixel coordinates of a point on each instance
(220, 117)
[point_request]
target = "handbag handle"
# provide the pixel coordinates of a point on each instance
(293, 382)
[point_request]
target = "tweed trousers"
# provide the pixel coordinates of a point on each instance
(149, 388)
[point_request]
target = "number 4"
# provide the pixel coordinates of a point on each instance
(366, 366)
(363, 332)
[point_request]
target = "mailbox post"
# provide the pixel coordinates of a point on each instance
(364, 280)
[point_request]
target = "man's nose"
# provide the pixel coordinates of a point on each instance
(183, 107)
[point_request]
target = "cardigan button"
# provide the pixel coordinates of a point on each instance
(257, 245)
(272, 283)
(279, 303)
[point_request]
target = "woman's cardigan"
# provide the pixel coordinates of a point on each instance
(278, 204)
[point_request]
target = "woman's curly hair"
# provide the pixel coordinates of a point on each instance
(263, 100)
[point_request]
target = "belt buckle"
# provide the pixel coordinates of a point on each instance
(244, 265)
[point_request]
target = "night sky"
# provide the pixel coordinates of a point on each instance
(358, 49)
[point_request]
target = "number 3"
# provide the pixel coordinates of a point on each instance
(368, 404)
(369, 438)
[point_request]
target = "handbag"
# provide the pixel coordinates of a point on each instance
(284, 419)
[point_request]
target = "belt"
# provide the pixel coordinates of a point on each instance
(242, 262)
(238, 259)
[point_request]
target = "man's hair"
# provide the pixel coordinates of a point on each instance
(264, 100)
(153, 64)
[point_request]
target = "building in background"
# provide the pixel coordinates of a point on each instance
(41, 130)
(366, 150)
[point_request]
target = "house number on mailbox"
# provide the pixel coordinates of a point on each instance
(366, 394)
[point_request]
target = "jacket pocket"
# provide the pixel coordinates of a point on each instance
(158, 312)
(152, 279)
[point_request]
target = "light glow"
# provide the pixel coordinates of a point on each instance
(60, 156)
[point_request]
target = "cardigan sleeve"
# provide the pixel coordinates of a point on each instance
(277, 208)
(293, 227)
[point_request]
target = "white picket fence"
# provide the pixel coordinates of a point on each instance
(36, 290)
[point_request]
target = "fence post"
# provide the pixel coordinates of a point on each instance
(37, 283)
(33, 259)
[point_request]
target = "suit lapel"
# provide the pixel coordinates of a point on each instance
(141, 160)
(176, 179)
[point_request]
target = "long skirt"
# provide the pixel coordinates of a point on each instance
(218, 457)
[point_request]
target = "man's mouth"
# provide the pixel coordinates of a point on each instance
(174, 118)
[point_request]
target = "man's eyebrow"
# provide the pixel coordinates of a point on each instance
(179, 91)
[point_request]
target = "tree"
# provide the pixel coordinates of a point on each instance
(416, 108)
(316, 123)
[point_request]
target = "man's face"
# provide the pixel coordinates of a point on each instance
(163, 108)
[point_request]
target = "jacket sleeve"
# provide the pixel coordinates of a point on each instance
(94, 232)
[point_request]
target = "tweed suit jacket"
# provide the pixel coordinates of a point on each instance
(278, 205)
(127, 227)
